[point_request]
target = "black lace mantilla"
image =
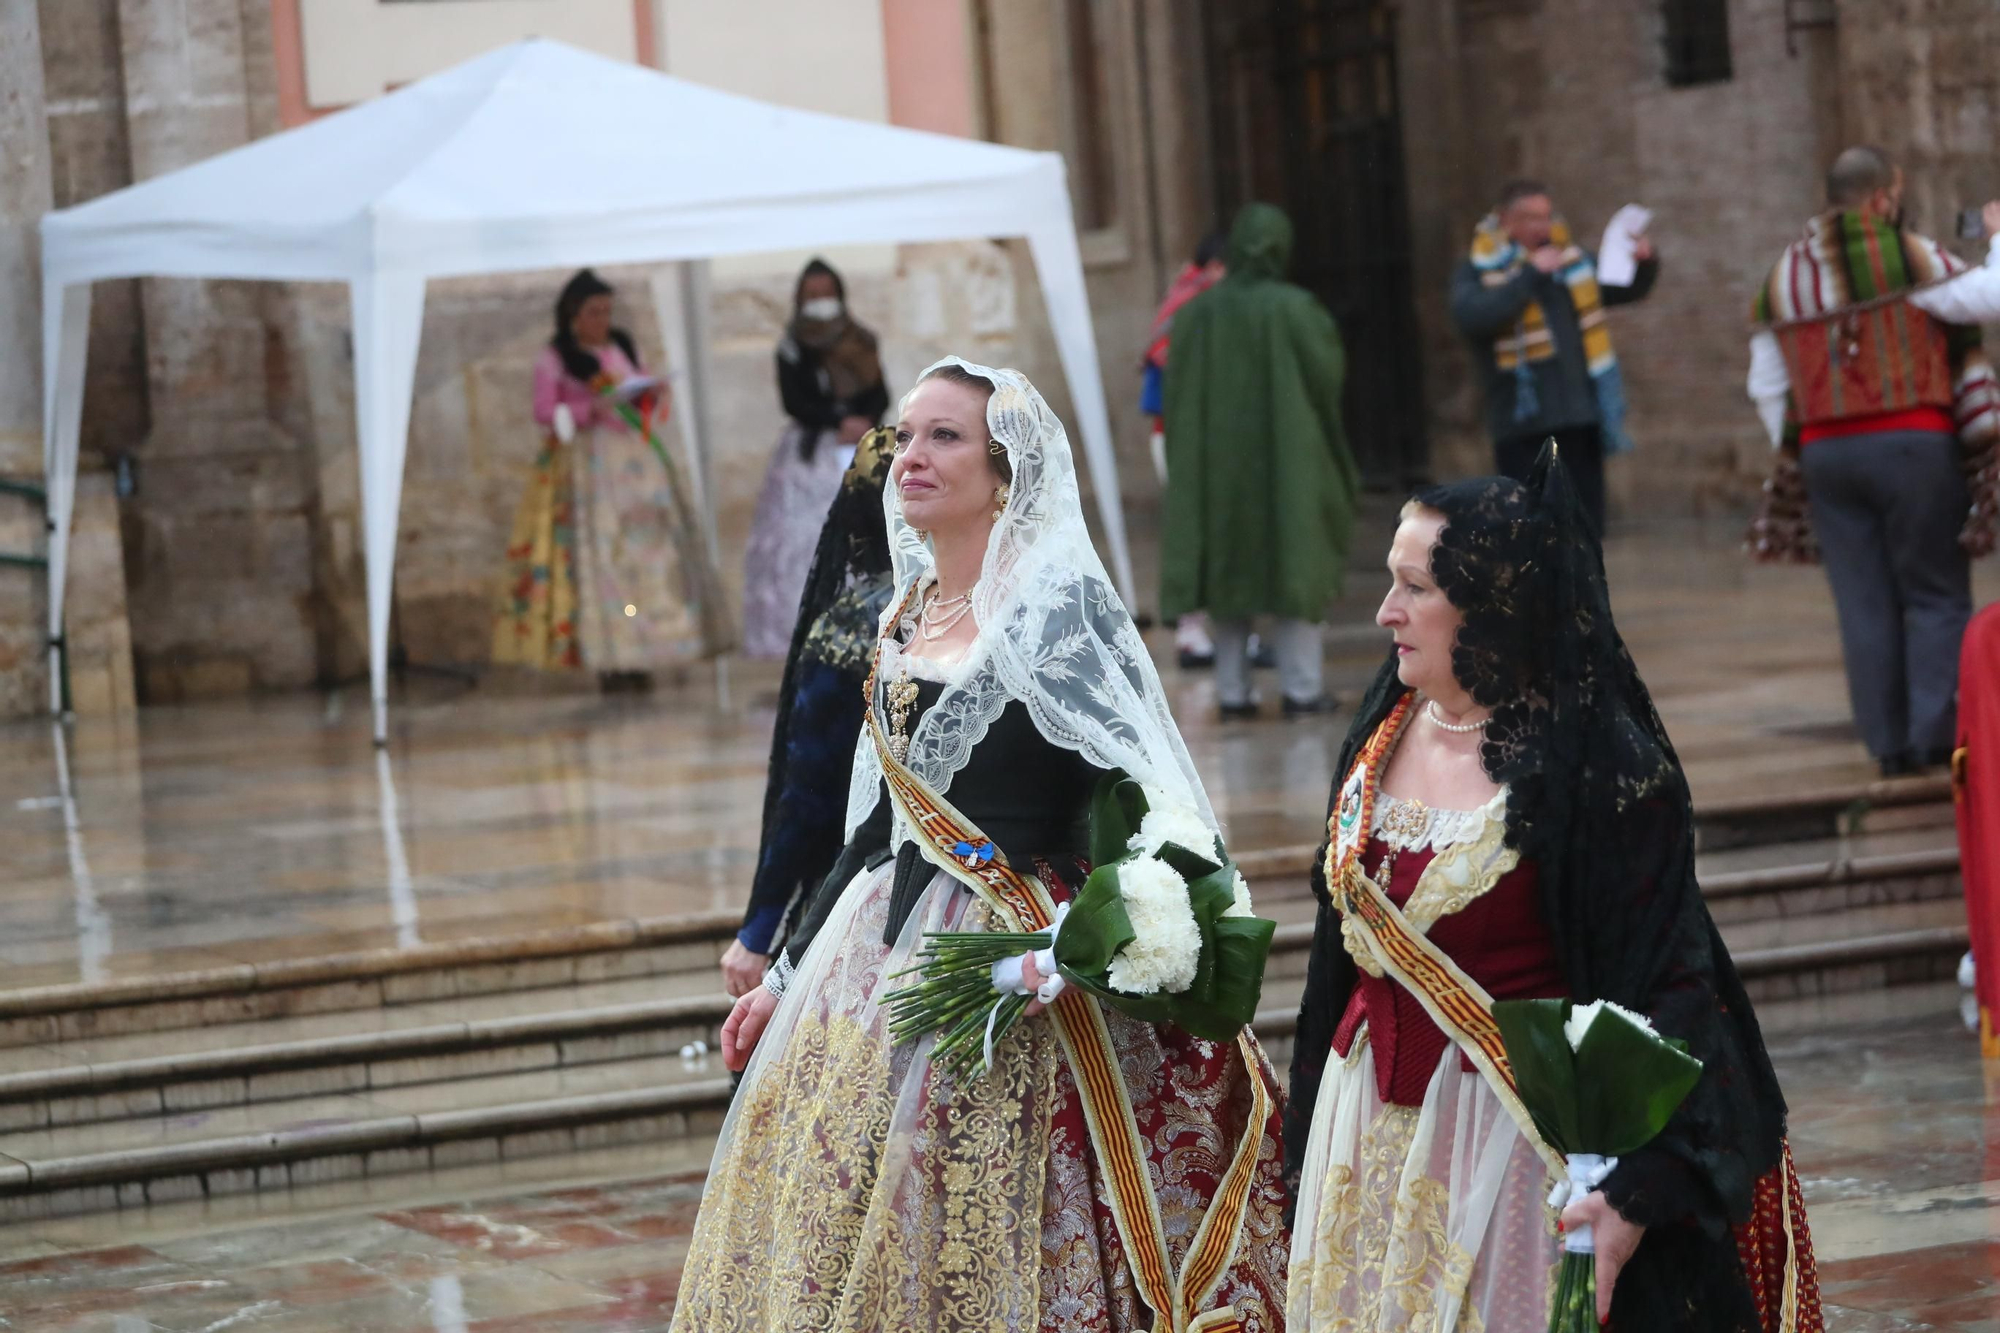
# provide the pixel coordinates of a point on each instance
(1598, 801)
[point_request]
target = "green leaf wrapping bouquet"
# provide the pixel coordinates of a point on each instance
(1598, 1082)
(1161, 930)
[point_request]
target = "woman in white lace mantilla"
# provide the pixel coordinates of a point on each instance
(856, 1186)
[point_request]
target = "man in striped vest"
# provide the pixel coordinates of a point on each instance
(1867, 372)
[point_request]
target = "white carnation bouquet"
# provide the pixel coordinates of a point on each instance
(1161, 930)
(1599, 1082)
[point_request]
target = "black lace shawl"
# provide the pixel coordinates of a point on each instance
(844, 592)
(1598, 801)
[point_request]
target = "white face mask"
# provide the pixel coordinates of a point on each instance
(821, 308)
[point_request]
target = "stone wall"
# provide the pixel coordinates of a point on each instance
(1574, 93)
(472, 438)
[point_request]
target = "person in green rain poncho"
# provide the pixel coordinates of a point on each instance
(1261, 487)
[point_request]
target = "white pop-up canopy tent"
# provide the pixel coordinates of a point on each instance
(535, 156)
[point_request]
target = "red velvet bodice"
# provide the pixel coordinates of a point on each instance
(1498, 940)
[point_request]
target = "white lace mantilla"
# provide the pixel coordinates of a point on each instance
(1052, 630)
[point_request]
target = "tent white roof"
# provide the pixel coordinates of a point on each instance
(533, 156)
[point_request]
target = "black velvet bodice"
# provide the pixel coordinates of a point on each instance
(1031, 797)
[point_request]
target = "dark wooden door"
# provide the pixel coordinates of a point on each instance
(1306, 116)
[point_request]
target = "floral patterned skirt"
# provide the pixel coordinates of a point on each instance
(607, 567)
(1426, 1218)
(857, 1187)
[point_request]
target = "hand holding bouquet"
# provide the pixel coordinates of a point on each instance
(1599, 1082)
(1161, 930)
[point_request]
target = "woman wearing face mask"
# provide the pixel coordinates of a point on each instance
(607, 569)
(830, 380)
(1103, 1171)
(1510, 813)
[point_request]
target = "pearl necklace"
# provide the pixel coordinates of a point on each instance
(1436, 719)
(933, 626)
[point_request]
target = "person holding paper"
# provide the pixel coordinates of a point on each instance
(1529, 300)
(607, 568)
(830, 381)
(1868, 374)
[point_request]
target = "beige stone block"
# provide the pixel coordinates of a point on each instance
(122, 1104)
(306, 1082)
(232, 1180)
(206, 1093)
(464, 1152)
(628, 1045)
(522, 975)
(80, 1199)
(419, 987)
(29, 1030)
(15, 1116)
(324, 1170)
(173, 1189)
(449, 1065)
(398, 1161)
(538, 1143)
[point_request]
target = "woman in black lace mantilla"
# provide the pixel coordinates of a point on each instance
(1510, 685)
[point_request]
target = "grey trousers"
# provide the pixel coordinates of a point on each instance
(1888, 509)
(1297, 644)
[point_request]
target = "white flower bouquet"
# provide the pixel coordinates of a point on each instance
(1161, 930)
(1599, 1082)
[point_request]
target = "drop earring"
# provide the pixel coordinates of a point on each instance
(1001, 495)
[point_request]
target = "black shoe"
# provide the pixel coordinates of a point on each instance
(1194, 661)
(1237, 712)
(1304, 708)
(1940, 758)
(1899, 765)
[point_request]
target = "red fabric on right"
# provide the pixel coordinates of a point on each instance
(1936, 420)
(1976, 787)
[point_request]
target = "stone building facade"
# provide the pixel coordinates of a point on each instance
(229, 559)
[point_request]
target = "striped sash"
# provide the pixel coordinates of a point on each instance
(1455, 1002)
(1176, 1299)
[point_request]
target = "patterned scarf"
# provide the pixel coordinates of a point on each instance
(1499, 259)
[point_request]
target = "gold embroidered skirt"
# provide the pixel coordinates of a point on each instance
(855, 1187)
(1428, 1218)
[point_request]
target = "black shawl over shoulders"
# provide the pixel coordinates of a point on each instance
(1598, 801)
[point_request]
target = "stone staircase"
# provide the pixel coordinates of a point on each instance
(146, 1091)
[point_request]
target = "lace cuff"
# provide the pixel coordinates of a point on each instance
(780, 974)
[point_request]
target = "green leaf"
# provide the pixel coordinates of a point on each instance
(1097, 926)
(1242, 948)
(1189, 865)
(1544, 1067)
(1117, 807)
(1629, 1084)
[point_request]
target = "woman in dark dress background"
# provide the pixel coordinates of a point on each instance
(830, 381)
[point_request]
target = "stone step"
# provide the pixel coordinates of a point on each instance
(427, 1125)
(396, 978)
(667, 995)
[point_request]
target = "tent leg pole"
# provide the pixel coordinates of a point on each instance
(722, 683)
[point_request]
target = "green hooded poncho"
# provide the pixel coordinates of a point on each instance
(1260, 484)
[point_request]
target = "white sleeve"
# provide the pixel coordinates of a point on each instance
(1770, 383)
(1973, 297)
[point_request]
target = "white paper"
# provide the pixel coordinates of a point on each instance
(633, 385)
(1616, 264)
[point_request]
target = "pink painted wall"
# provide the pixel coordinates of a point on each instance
(928, 55)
